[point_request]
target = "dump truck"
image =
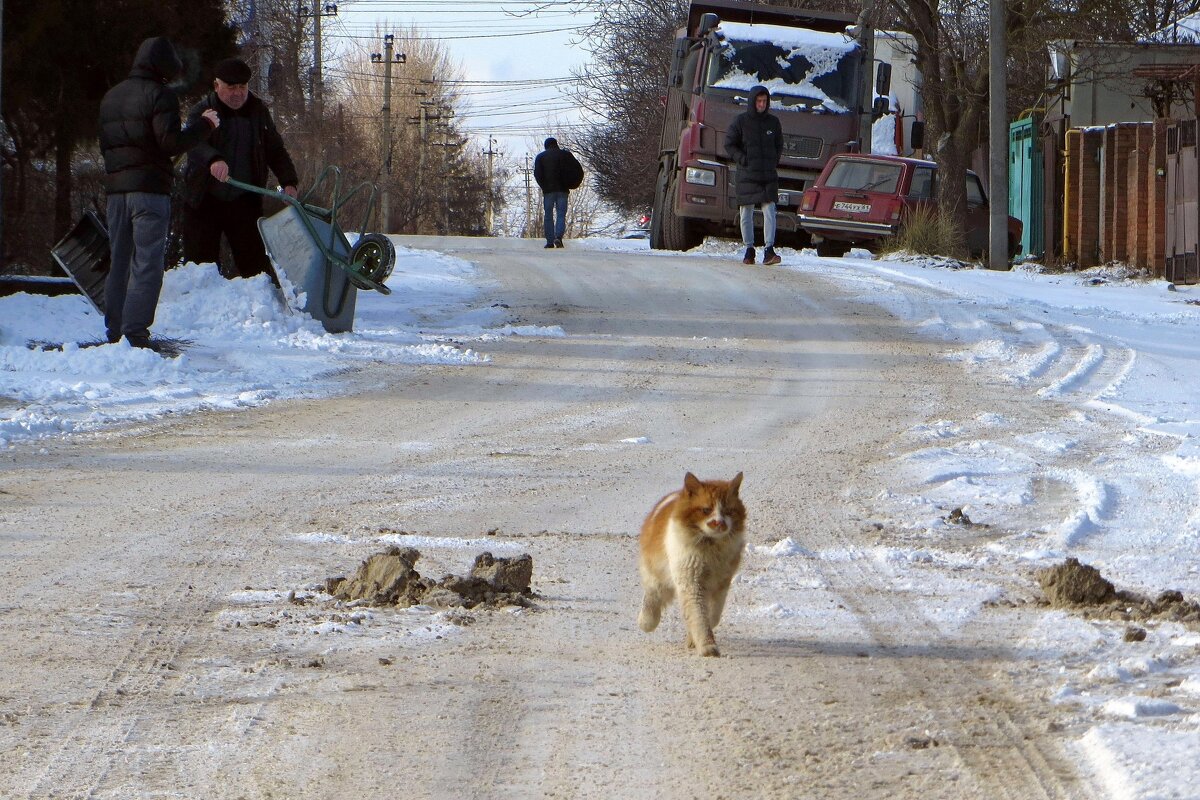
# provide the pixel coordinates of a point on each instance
(816, 65)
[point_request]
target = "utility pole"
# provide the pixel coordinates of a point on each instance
(423, 121)
(866, 40)
(491, 213)
(998, 136)
(387, 58)
(259, 58)
(445, 145)
(444, 130)
(320, 9)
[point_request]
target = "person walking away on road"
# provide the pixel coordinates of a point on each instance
(755, 143)
(140, 134)
(246, 146)
(557, 172)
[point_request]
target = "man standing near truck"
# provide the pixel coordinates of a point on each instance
(755, 143)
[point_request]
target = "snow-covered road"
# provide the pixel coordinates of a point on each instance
(916, 440)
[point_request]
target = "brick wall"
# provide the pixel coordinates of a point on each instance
(1114, 208)
(1138, 189)
(1119, 141)
(1087, 190)
(1074, 151)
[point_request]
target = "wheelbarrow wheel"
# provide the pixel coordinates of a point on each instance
(373, 257)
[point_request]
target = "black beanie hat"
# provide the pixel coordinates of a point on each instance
(232, 70)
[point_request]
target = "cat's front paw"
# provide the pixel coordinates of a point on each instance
(710, 650)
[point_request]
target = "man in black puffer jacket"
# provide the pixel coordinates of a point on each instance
(139, 135)
(557, 172)
(245, 147)
(755, 143)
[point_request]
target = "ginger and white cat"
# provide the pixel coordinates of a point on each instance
(691, 545)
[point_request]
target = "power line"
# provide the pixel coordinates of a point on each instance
(473, 36)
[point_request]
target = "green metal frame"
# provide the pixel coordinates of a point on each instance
(329, 215)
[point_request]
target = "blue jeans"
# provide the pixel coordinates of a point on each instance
(555, 203)
(137, 234)
(769, 222)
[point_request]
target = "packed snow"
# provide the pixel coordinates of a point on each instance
(1113, 481)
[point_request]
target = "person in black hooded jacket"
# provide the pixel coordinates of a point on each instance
(140, 134)
(755, 143)
(557, 172)
(247, 145)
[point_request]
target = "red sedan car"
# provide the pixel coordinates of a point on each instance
(861, 199)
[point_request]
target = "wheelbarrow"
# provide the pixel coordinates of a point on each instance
(310, 251)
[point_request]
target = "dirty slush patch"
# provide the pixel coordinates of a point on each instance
(390, 578)
(1080, 587)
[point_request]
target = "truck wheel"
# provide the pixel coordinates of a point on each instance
(678, 233)
(657, 213)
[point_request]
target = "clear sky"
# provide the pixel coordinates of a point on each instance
(517, 58)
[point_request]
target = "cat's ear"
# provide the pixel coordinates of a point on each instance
(690, 482)
(736, 483)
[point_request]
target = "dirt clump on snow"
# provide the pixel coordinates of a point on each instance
(1074, 584)
(390, 578)
(1081, 587)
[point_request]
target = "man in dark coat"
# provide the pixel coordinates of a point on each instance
(557, 172)
(139, 136)
(755, 143)
(247, 145)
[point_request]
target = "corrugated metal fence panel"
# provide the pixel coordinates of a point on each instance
(1183, 203)
(1024, 198)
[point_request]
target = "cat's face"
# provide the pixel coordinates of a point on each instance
(712, 508)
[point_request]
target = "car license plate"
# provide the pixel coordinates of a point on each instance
(785, 199)
(853, 208)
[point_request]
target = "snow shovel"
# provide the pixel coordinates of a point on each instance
(84, 255)
(311, 252)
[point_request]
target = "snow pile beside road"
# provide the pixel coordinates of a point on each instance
(248, 347)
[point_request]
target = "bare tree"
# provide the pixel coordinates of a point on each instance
(631, 43)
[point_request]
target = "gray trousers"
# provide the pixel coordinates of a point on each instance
(747, 220)
(137, 234)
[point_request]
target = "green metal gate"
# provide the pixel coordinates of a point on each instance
(1025, 181)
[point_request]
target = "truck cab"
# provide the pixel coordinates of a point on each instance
(814, 69)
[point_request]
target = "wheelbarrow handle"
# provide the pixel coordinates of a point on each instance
(250, 187)
(299, 205)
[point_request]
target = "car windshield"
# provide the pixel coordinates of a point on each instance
(803, 69)
(864, 176)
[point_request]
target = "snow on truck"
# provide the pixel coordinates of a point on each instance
(818, 75)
